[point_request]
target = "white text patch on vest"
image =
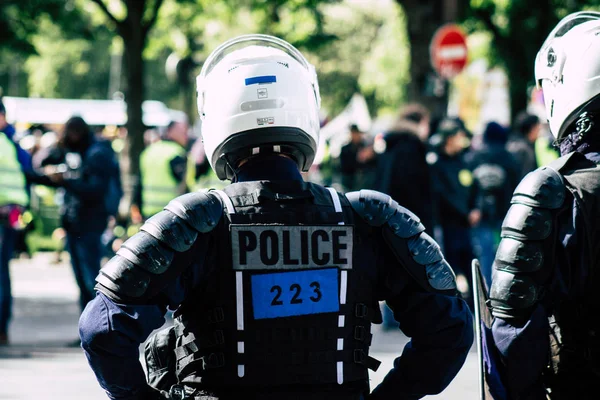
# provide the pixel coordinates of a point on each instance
(291, 247)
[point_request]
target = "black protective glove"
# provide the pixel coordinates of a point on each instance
(159, 354)
(153, 394)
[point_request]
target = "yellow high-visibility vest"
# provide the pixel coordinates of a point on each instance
(159, 186)
(12, 178)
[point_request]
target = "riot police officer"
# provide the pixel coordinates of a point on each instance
(275, 281)
(546, 271)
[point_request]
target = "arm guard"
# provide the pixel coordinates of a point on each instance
(144, 259)
(524, 257)
(403, 232)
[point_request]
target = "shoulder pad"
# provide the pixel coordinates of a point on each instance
(145, 251)
(404, 233)
(171, 230)
(202, 210)
(139, 260)
(378, 209)
(524, 222)
(441, 276)
(147, 255)
(424, 249)
(121, 277)
(542, 188)
(516, 256)
(422, 258)
(512, 296)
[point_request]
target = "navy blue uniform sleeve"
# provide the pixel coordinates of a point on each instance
(110, 336)
(523, 345)
(524, 353)
(441, 332)
(112, 333)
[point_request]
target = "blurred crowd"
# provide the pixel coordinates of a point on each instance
(73, 191)
(61, 188)
(458, 183)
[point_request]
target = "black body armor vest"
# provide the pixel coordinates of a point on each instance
(575, 324)
(526, 272)
(286, 307)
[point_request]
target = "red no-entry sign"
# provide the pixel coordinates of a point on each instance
(448, 51)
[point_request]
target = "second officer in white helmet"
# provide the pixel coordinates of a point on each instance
(547, 268)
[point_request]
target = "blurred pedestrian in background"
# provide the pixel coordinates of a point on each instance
(403, 173)
(452, 187)
(86, 170)
(419, 115)
(357, 161)
(496, 174)
(163, 171)
(402, 170)
(521, 144)
(14, 197)
(199, 175)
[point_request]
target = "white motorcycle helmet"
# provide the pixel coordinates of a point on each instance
(258, 94)
(567, 68)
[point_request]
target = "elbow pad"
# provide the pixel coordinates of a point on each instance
(525, 254)
(146, 257)
(416, 251)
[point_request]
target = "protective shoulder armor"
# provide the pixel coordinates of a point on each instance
(146, 256)
(513, 295)
(378, 209)
(542, 188)
(523, 259)
(404, 233)
(538, 194)
(202, 210)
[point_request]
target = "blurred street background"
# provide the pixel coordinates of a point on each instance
(430, 101)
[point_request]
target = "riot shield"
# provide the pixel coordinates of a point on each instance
(490, 382)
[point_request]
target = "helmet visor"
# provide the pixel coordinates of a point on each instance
(241, 42)
(550, 57)
(256, 40)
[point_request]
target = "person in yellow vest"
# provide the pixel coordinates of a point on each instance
(14, 197)
(199, 175)
(162, 168)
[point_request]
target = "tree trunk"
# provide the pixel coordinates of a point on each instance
(423, 19)
(520, 78)
(134, 42)
(519, 55)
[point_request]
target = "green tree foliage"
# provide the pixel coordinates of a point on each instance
(69, 67)
(19, 25)
(423, 18)
(191, 30)
(384, 74)
(139, 18)
(19, 21)
(518, 29)
(355, 47)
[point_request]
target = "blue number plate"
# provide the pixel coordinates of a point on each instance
(289, 294)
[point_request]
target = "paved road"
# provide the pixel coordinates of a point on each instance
(39, 365)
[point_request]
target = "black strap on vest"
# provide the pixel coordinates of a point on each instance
(214, 346)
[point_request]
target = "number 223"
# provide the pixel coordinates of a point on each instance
(296, 289)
